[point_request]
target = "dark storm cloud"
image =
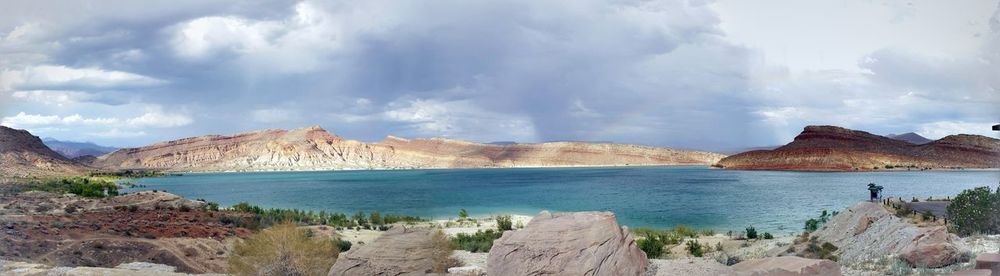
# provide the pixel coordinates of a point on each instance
(648, 72)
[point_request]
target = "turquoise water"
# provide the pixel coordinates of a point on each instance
(639, 196)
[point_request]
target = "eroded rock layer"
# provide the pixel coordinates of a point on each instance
(24, 155)
(316, 149)
(830, 148)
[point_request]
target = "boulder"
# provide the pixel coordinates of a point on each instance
(868, 231)
(787, 266)
(582, 243)
(972, 272)
(399, 251)
(989, 261)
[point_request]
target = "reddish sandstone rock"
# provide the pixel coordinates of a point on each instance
(400, 251)
(582, 243)
(830, 148)
(787, 266)
(972, 272)
(989, 261)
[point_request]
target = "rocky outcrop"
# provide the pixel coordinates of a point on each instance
(830, 148)
(583, 243)
(24, 155)
(866, 231)
(130, 269)
(787, 266)
(316, 149)
(400, 251)
(910, 137)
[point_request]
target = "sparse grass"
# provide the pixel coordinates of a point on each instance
(694, 248)
(442, 249)
(283, 250)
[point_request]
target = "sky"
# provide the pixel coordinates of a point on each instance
(698, 74)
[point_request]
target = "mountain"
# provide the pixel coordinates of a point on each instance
(76, 149)
(831, 148)
(24, 155)
(911, 137)
(314, 148)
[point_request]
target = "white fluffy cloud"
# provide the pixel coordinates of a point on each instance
(55, 76)
(149, 119)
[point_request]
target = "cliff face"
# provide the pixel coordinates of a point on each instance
(315, 149)
(830, 148)
(24, 155)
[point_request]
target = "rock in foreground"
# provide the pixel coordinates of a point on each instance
(867, 231)
(583, 243)
(400, 251)
(787, 266)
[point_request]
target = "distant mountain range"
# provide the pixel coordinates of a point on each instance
(911, 137)
(24, 155)
(76, 149)
(314, 148)
(830, 148)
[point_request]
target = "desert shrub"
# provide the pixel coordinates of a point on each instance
(441, 253)
(211, 206)
(270, 216)
(751, 232)
(816, 250)
(504, 223)
(343, 245)
(694, 248)
(707, 232)
(375, 218)
(282, 250)
(768, 236)
(184, 208)
(718, 247)
(652, 245)
(975, 211)
(133, 208)
(927, 215)
(481, 241)
(43, 208)
(462, 214)
(81, 186)
(70, 209)
(811, 225)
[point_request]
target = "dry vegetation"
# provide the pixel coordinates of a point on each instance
(283, 249)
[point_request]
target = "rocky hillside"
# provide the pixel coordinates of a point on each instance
(911, 137)
(830, 148)
(24, 155)
(76, 149)
(316, 149)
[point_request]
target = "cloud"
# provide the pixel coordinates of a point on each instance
(150, 119)
(58, 76)
(275, 115)
(667, 72)
(937, 130)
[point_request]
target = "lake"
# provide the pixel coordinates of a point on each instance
(702, 197)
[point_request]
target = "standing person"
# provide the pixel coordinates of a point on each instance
(873, 191)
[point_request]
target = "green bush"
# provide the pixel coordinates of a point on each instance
(695, 249)
(375, 218)
(975, 211)
(504, 223)
(768, 236)
(481, 241)
(751, 232)
(81, 186)
(811, 225)
(343, 245)
(264, 217)
(927, 215)
(652, 245)
(462, 214)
